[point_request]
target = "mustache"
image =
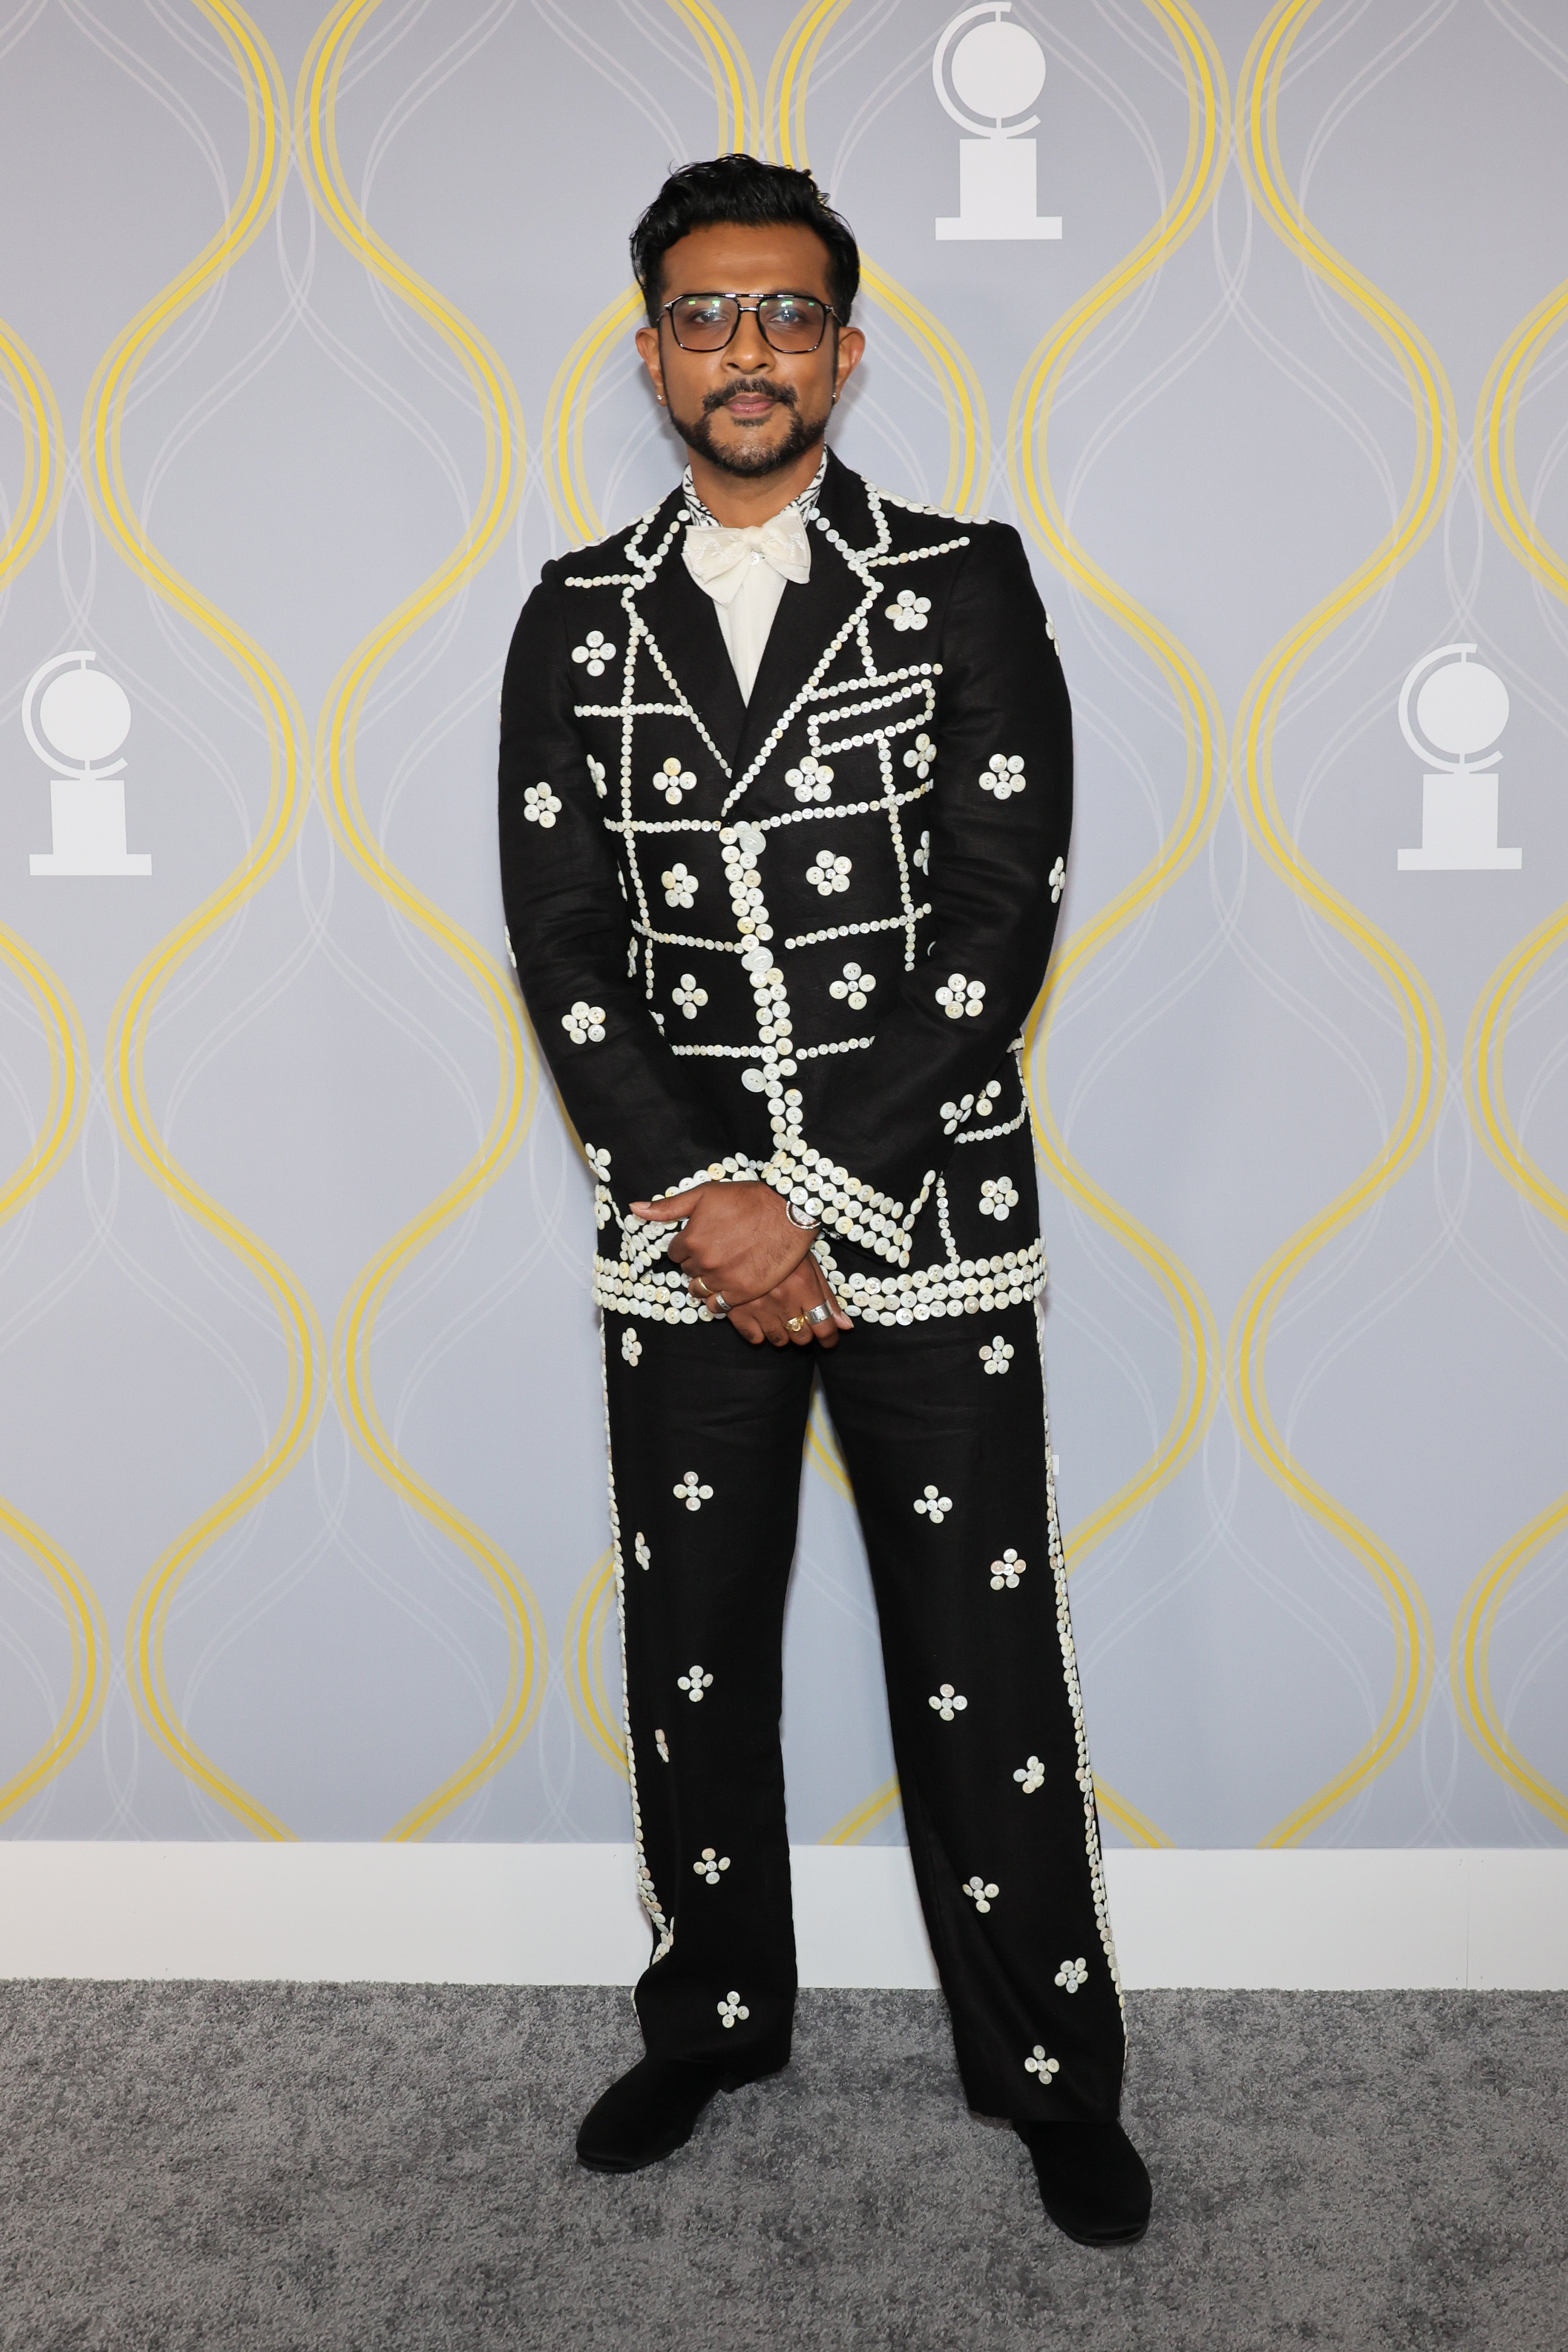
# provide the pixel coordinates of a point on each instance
(757, 389)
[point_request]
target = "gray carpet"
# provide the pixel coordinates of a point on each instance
(354, 2167)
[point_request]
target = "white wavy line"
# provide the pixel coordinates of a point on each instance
(1529, 37)
(185, 1317)
(1134, 28)
(913, 66)
(19, 24)
(600, 61)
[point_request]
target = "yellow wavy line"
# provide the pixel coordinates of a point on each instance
(1469, 1666)
(103, 414)
(969, 469)
(315, 134)
(43, 442)
(1246, 1368)
(587, 1621)
(565, 411)
(734, 84)
(789, 76)
(963, 399)
(1029, 420)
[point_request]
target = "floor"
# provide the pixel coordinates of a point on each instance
(291, 2167)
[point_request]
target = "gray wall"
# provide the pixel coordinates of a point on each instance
(251, 1585)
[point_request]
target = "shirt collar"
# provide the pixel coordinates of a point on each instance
(701, 518)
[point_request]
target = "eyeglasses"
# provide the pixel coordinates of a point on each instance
(789, 322)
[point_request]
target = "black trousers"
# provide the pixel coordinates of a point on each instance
(944, 1431)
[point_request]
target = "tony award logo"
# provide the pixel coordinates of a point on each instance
(1461, 709)
(997, 71)
(85, 718)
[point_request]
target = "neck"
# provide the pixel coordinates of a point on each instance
(738, 499)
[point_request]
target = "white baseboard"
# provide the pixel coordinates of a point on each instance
(1344, 1920)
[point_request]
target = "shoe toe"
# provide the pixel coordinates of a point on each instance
(1093, 2182)
(647, 2114)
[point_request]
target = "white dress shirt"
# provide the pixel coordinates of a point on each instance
(747, 592)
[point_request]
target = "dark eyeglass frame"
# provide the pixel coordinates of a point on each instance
(780, 293)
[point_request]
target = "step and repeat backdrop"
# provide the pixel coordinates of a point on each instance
(315, 342)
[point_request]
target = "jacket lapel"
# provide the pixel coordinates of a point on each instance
(684, 624)
(810, 614)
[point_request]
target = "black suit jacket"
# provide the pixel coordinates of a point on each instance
(800, 938)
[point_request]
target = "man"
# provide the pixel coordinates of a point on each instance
(785, 797)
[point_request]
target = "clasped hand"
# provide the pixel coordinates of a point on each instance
(738, 1244)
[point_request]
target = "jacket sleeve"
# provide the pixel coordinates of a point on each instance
(570, 931)
(875, 1132)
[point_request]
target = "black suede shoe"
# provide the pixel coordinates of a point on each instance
(649, 2113)
(1092, 2181)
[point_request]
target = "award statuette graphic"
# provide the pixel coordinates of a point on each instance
(997, 71)
(85, 717)
(1461, 709)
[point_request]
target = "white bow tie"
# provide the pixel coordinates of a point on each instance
(718, 560)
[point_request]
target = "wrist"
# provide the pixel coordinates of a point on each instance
(801, 1210)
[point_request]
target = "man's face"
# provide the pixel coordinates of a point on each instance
(748, 408)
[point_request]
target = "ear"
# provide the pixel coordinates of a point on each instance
(851, 351)
(647, 340)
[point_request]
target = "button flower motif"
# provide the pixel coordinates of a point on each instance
(811, 781)
(997, 1355)
(948, 1702)
(584, 1025)
(640, 1550)
(693, 1682)
(961, 996)
(710, 1866)
(540, 805)
(688, 996)
(854, 987)
(631, 1346)
(922, 854)
(1031, 1778)
(679, 886)
(595, 654)
(982, 1893)
(953, 1114)
(659, 1744)
(1056, 877)
(598, 1160)
(1007, 1571)
(672, 780)
(919, 756)
(827, 873)
(729, 2009)
(933, 1505)
(908, 611)
(998, 1197)
(690, 1493)
(1071, 1974)
(1039, 2064)
(1002, 775)
(595, 769)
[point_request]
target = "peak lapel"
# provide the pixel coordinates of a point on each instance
(684, 624)
(810, 614)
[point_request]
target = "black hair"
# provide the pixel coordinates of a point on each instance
(752, 194)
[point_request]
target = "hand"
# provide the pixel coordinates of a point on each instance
(770, 1316)
(738, 1239)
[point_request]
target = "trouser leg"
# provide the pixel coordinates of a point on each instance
(705, 1437)
(950, 1459)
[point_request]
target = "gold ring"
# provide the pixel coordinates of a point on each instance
(701, 1285)
(796, 1323)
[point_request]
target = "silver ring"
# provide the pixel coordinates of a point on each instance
(819, 1314)
(718, 1304)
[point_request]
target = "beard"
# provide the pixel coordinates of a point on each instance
(751, 460)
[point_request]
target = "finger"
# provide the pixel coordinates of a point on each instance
(771, 1322)
(673, 1206)
(747, 1323)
